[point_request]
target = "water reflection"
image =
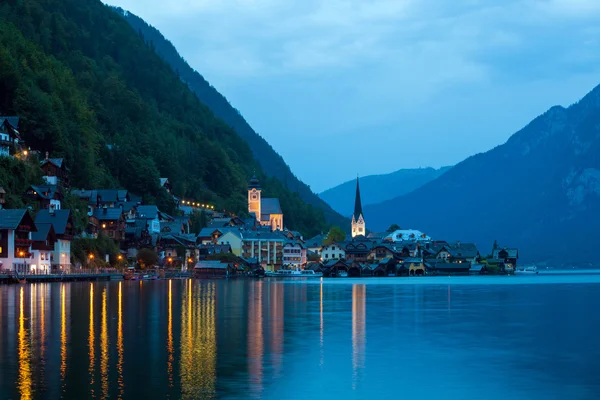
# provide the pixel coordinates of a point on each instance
(91, 342)
(321, 358)
(199, 345)
(277, 322)
(255, 337)
(63, 336)
(170, 358)
(24, 383)
(104, 346)
(120, 342)
(359, 296)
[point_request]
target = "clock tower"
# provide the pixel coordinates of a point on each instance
(254, 197)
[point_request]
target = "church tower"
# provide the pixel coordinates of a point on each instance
(254, 197)
(358, 221)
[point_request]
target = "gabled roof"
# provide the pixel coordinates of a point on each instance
(512, 253)
(43, 231)
(211, 265)
(316, 241)
(58, 162)
(11, 219)
(13, 121)
(270, 206)
(59, 219)
(107, 214)
(463, 250)
(40, 191)
(147, 212)
(163, 181)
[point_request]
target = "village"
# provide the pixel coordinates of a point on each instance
(43, 239)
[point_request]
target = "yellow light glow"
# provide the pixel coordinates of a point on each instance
(120, 343)
(24, 382)
(91, 340)
(103, 226)
(104, 346)
(170, 357)
(63, 335)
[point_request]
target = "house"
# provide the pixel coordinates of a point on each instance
(151, 215)
(110, 222)
(294, 254)
(212, 235)
(333, 251)
(381, 251)
(315, 244)
(332, 268)
(213, 269)
(99, 198)
(507, 255)
(414, 266)
(171, 245)
(267, 211)
(205, 250)
(16, 226)
(478, 269)
(55, 171)
(314, 266)
(46, 196)
(64, 228)
(463, 253)
(265, 246)
(10, 139)
(233, 239)
(166, 184)
(358, 250)
(447, 268)
(42, 249)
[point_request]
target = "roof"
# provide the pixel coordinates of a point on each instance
(512, 253)
(443, 265)
(12, 120)
(254, 183)
(59, 162)
(294, 243)
(147, 212)
(331, 263)
(40, 190)
(59, 219)
(211, 264)
(10, 219)
(264, 235)
(163, 181)
(127, 205)
(171, 226)
(357, 203)
(316, 241)
(2, 190)
(477, 267)
(463, 250)
(42, 232)
(270, 206)
(107, 214)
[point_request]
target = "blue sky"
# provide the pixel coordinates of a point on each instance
(340, 87)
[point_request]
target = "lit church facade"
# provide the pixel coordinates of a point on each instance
(267, 211)
(359, 227)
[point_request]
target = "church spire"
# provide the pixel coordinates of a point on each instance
(357, 202)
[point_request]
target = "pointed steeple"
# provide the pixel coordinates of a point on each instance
(357, 203)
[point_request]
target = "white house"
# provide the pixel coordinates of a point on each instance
(42, 249)
(294, 254)
(333, 251)
(63, 226)
(15, 240)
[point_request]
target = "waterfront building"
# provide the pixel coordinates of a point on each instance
(359, 226)
(110, 221)
(333, 251)
(42, 249)
(64, 228)
(294, 254)
(267, 211)
(265, 246)
(16, 226)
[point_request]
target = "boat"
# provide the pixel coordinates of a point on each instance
(293, 273)
(526, 270)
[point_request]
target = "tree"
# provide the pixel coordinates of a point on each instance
(147, 258)
(313, 257)
(335, 235)
(393, 228)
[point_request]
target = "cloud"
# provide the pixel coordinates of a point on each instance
(335, 69)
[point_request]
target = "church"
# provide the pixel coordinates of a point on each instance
(267, 211)
(359, 227)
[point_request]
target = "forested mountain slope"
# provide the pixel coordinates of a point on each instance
(89, 89)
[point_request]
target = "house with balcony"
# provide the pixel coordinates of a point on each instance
(45, 196)
(64, 229)
(16, 226)
(42, 249)
(55, 171)
(294, 254)
(265, 246)
(10, 139)
(110, 221)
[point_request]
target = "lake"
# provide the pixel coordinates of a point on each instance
(499, 337)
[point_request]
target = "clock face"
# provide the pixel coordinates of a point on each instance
(254, 196)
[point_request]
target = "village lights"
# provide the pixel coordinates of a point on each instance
(189, 260)
(103, 226)
(170, 260)
(21, 253)
(119, 257)
(91, 256)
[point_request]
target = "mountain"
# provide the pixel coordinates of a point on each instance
(89, 89)
(379, 188)
(271, 162)
(539, 191)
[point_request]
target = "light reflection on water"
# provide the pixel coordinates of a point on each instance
(317, 339)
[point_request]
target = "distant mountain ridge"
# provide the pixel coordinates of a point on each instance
(269, 160)
(539, 191)
(379, 188)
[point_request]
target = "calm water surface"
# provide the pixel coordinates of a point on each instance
(436, 338)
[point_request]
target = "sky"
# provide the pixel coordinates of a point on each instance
(347, 87)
